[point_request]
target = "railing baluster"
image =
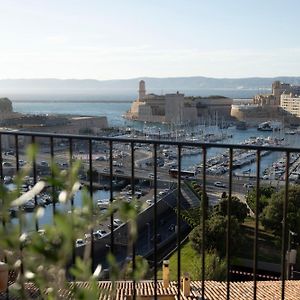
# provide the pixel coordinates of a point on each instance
(92, 203)
(203, 220)
(255, 247)
(17, 152)
(3, 204)
(72, 202)
(1, 159)
(111, 196)
(20, 218)
(228, 243)
(1, 176)
(178, 221)
(52, 177)
(34, 180)
(132, 192)
(155, 221)
(284, 226)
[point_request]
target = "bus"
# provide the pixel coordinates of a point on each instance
(184, 174)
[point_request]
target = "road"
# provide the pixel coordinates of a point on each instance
(122, 168)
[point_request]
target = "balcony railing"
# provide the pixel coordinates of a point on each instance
(54, 144)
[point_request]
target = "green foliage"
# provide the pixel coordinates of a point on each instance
(266, 193)
(238, 209)
(48, 252)
(272, 215)
(141, 268)
(215, 267)
(215, 235)
(193, 216)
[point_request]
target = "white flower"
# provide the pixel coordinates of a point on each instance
(18, 263)
(38, 187)
(63, 196)
(29, 275)
(76, 187)
(97, 271)
(23, 237)
(40, 212)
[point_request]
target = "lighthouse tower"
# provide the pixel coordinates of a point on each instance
(142, 89)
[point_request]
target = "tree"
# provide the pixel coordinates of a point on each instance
(215, 236)
(272, 215)
(215, 267)
(266, 193)
(238, 208)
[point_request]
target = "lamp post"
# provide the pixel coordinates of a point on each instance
(290, 256)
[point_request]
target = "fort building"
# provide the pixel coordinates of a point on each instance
(266, 107)
(71, 124)
(176, 108)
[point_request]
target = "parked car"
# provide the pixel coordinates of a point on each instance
(220, 184)
(79, 242)
(248, 185)
(149, 202)
(116, 223)
(97, 235)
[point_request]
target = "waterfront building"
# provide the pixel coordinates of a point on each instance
(265, 107)
(291, 102)
(72, 124)
(176, 108)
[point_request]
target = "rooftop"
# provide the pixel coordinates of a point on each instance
(214, 290)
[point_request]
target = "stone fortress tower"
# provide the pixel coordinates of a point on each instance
(175, 108)
(5, 106)
(280, 105)
(142, 90)
(278, 89)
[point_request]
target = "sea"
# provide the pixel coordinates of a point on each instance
(112, 110)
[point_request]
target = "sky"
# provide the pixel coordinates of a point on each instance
(116, 39)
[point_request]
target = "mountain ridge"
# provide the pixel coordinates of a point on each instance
(53, 89)
(191, 82)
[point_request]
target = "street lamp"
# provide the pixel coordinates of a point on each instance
(291, 255)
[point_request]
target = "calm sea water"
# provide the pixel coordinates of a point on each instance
(112, 110)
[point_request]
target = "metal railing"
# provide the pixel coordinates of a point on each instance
(14, 140)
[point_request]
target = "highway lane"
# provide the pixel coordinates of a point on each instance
(141, 172)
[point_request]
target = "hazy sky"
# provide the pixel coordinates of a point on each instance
(106, 39)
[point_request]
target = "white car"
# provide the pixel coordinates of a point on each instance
(97, 235)
(101, 232)
(220, 184)
(149, 202)
(118, 222)
(79, 242)
(248, 185)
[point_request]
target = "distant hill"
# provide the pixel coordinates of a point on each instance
(88, 89)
